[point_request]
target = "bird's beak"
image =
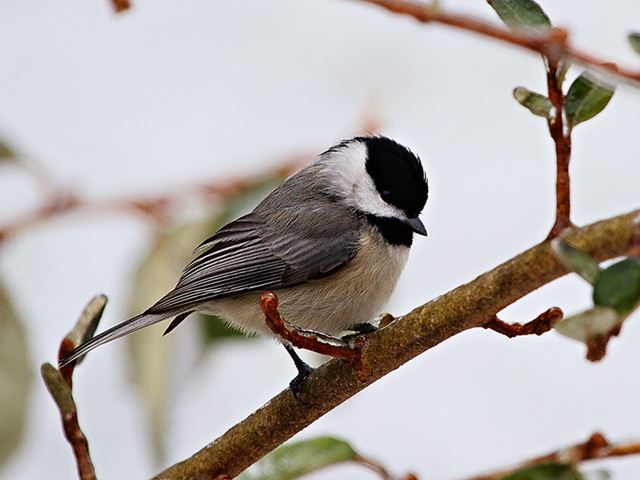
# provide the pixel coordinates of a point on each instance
(417, 226)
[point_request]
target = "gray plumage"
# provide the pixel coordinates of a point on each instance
(272, 247)
(331, 242)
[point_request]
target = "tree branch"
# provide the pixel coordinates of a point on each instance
(156, 207)
(596, 447)
(468, 306)
(552, 44)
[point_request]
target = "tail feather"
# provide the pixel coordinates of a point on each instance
(120, 330)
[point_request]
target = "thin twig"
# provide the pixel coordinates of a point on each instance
(597, 345)
(465, 307)
(155, 207)
(552, 44)
(562, 141)
(594, 448)
(539, 325)
(120, 6)
(60, 385)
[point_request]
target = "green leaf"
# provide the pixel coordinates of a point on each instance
(300, 458)
(589, 324)
(521, 14)
(634, 41)
(586, 98)
(576, 260)
(15, 377)
(537, 104)
(546, 471)
(618, 286)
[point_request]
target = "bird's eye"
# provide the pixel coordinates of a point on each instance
(386, 195)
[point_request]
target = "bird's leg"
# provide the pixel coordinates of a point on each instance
(314, 341)
(304, 369)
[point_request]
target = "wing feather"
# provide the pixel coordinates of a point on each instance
(251, 254)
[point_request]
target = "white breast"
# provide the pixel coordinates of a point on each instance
(354, 294)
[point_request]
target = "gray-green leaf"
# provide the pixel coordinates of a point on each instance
(576, 260)
(586, 98)
(546, 471)
(6, 152)
(589, 324)
(536, 103)
(151, 354)
(634, 41)
(15, 377)
(618, 286)
(521, 14)
(157, 273)
(88, 322)
(300, 458)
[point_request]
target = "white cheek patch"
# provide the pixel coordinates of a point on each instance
(347, 170)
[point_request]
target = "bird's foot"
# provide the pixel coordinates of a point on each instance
(303, 372)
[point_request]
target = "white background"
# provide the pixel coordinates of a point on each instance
(176, 91)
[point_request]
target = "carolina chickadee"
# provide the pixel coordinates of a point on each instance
(330, 241)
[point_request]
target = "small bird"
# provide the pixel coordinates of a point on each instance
(330, 242)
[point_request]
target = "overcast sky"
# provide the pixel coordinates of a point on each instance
(176, 91)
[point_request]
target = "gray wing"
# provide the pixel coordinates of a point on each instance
(267, 249)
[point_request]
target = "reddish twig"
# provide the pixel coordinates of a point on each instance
(120, 5)
(562, 141)
(539, 325)
(551, 44)
(314, 341)
(60, 390)
(155, 207)
(596, 447)
(597, 345)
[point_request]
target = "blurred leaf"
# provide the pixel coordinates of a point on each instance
(15, 377)
(618, 286)
(586, 98)
(58, 388)
(6, 152)
(576, 260)
(599, 474)
(215, 328)
(588, 324)
(87, 324)
(536, 103)
(521, 14)
(300, 458)
(151, 353)
(634, 41)
(546, 471)
(158, 273)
